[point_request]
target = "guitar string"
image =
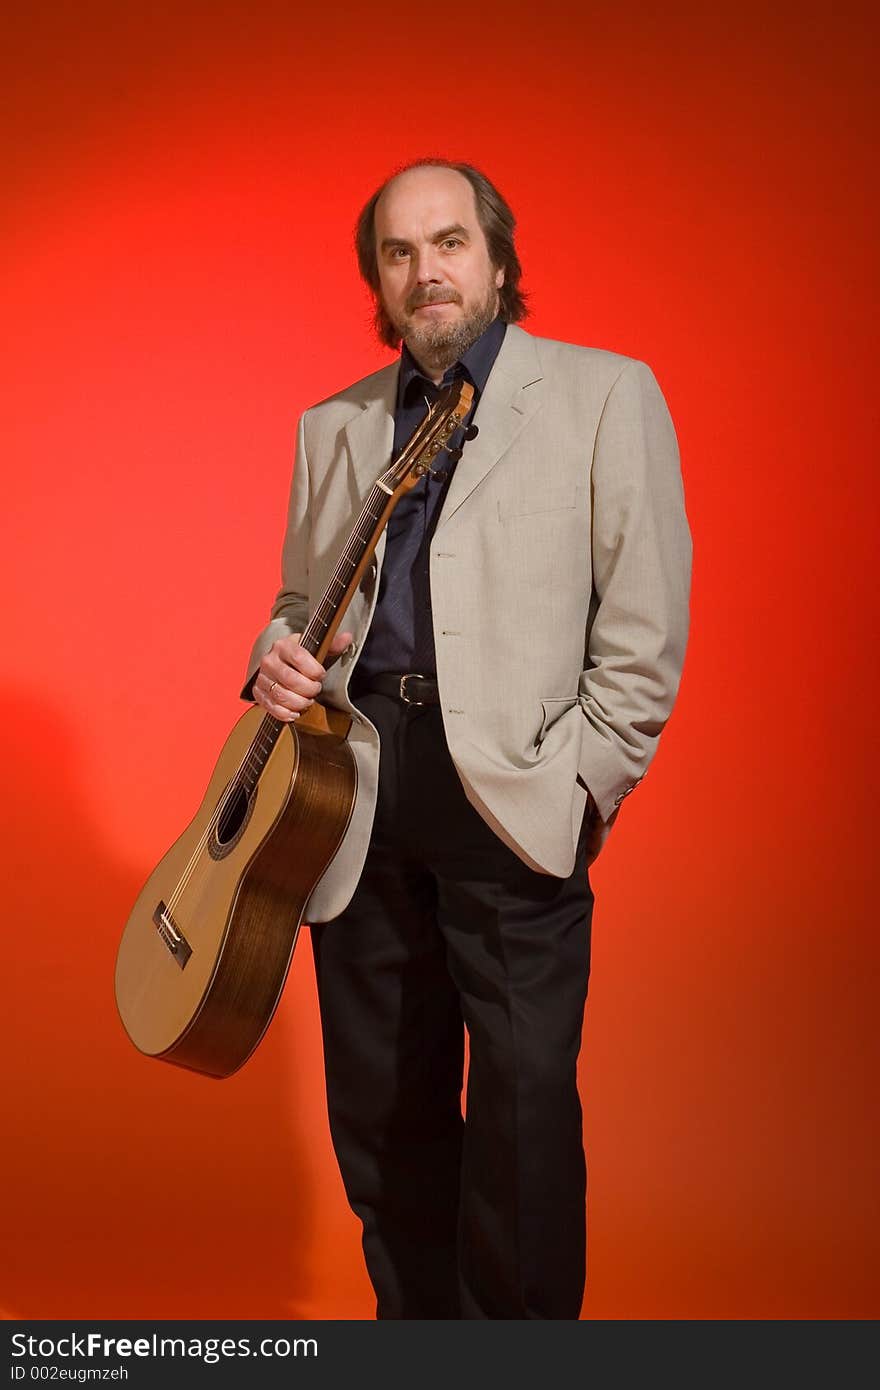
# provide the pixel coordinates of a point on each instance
(452, 420)
(233, 786)
(320, 619)
(377, 494)
(226, 798)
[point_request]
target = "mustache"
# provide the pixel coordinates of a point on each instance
(419, 298)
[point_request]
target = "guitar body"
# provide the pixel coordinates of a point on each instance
(205, 952)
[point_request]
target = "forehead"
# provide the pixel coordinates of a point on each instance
(421, 201)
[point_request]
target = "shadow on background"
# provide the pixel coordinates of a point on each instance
(132, 1188)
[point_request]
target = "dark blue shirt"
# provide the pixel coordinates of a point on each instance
(401, 635)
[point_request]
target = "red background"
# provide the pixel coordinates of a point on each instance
(178, 284)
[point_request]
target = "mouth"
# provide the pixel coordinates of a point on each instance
(429, 304)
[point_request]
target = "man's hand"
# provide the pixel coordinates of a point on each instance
(597, 829)
(289, 679)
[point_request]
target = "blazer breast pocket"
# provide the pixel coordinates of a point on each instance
(560, 497)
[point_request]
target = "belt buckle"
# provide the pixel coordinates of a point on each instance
(410, 675)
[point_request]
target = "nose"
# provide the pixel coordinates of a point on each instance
(428, 267)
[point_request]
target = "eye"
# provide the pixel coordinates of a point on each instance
(451, 242)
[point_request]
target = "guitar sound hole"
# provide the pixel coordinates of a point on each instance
(231, 823)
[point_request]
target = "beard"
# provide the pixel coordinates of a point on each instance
(438, 345)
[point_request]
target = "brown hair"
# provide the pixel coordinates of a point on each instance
(495, 218)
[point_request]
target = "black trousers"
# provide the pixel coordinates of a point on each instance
(483, 1217)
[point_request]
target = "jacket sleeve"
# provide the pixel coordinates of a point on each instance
(641, 547)
(290, 611)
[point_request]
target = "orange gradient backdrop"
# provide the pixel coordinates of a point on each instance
(178, 284)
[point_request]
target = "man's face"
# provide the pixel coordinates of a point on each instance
(438, 285)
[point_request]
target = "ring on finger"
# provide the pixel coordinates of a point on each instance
(269, 691)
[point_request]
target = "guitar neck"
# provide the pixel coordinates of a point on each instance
(325, 620)
(362, 542)
(415, 459)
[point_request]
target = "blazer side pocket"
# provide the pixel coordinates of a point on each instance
(553, 708)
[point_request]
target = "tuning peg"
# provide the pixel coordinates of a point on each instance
(453, 455)
(472, 431)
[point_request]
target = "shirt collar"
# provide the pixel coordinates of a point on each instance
(475, 364)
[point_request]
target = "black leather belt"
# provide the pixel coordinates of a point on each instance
(410, 689)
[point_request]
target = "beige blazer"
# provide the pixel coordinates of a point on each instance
(560, 575)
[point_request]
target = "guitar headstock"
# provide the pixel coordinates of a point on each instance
(444, 417)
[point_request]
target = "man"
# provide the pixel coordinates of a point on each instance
(514, 651)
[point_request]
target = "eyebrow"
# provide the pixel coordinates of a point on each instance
(454, 229)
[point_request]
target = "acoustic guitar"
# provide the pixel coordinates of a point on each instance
(206, 950)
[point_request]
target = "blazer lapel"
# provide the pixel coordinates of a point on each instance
(370, 433)
(512, 396)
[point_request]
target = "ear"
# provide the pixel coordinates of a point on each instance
(499, 277)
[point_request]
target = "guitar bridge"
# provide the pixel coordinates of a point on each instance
(170, 932)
